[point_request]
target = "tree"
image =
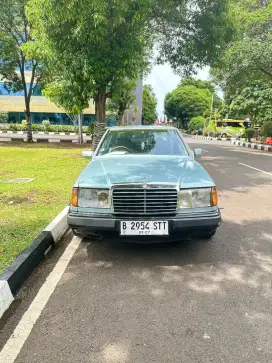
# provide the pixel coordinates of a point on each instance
(98, 43)
(196, 123)
(186, 102)
(191, 33)
(249, 57)
(149, 105)
(198, 83)
(253, 102)
(14, 33)
(65, 96)
(207, 85)
(93, 44)
(122, 98)
(267, 129)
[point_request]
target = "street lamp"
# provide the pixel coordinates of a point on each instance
(211, 115)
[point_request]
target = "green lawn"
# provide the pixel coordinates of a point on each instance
(25, 209)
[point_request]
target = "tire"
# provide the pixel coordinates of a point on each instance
(207, 234)
(224, 136)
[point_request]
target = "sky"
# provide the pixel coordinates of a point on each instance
(164, 80)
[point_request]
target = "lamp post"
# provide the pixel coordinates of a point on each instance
(211, 115)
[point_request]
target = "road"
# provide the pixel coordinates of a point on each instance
(198, 302)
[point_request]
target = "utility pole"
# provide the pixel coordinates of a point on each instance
(80, 136)
(211, 116)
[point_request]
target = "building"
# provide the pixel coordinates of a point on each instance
(41, 108)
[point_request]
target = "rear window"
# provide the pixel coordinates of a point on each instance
(149, 142)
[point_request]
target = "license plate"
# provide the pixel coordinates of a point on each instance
(146, 228)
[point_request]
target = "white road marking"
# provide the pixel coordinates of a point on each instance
(15, 343)
(251, 167)
(205, 151)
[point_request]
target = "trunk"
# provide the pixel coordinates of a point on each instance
(120, 114)
(80, 134)
(29, 128)
(100, 113)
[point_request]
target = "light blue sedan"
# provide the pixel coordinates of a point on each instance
(144, 184)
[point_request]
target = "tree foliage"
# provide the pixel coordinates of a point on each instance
(91, 45)
(94, 44)
(14, 33)
(192, 98)
(267, 129)
(122, 98)
(191, 33)
(149, 105)
(248, 59)
(254, 102)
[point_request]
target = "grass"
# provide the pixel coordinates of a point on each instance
(25, 209)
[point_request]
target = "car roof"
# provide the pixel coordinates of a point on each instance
(141, 127)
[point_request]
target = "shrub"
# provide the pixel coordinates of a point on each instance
(267, 129)
(4, 116)
(23, 126)
(196, 123)
(38, 127)
(46, 124)
(250, 133)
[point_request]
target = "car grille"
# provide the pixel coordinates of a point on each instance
(145, 200)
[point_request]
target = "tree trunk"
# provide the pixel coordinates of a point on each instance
(100, 113)
(29, 138)
(121, 113)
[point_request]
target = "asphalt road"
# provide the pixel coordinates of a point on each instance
(198, 302)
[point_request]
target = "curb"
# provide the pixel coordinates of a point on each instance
(41, 133)
(15, 275)
(252, 146)
(44, 139)
(204, 138)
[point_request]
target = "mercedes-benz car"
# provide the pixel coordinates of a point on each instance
(143, 183)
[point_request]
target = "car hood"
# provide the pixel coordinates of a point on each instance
(107, 170)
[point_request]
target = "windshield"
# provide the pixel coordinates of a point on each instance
(149, 142)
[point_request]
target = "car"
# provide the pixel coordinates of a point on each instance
(268, 141)
(143, 184)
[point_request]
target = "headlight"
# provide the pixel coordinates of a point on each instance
(93, 198)
(197, 198)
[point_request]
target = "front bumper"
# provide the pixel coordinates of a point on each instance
(185, 223)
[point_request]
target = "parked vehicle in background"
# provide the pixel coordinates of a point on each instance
(230, 128)
(144, 182)
(268, 141)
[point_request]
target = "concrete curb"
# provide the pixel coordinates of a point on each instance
(44, 139)
(15, 275)
(252, 146)
(204, 138)
(41, 133)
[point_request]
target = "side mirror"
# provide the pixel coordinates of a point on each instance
(87, 154)
(198, 153)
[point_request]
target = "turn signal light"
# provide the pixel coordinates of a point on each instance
(75, 197)
(214, 197)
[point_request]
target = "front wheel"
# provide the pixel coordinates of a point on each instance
(224, 136)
